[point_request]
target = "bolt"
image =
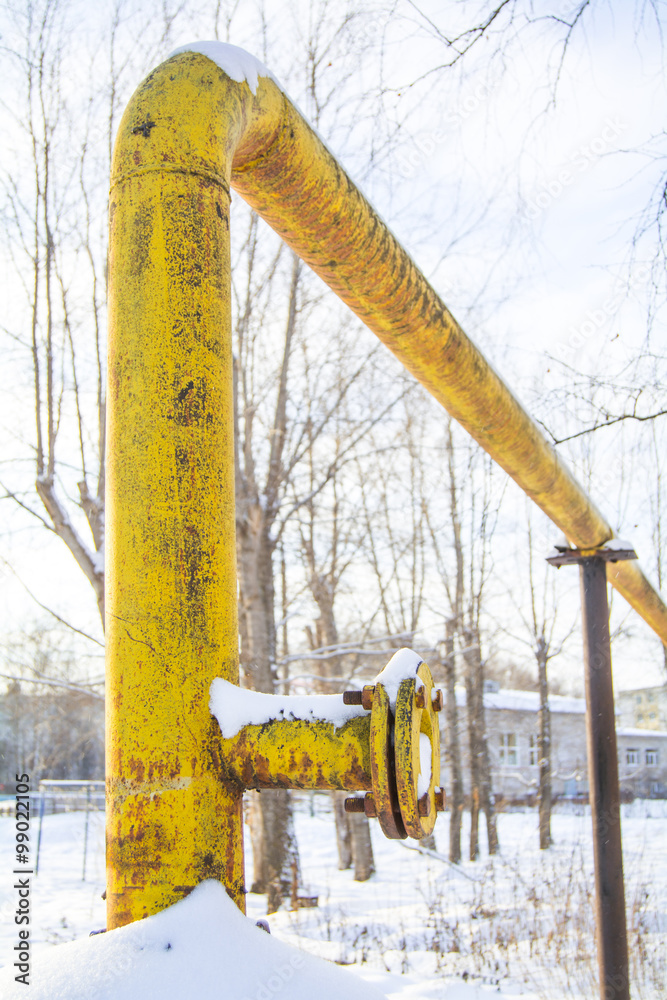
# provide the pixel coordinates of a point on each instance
(354, 805)
(424, 805)
(419, 698)
(363, 698)
(357, 804)
(440, 800)
(438, 700)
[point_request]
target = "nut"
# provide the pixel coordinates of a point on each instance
(440, 800)
(424, 805)
(438, 700)
(420, 701)
(369, 806)
(367, 696)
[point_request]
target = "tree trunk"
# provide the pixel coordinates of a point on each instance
(474, 774)
(453, 748)
(343, 837)
(544, 747)
(275, 850)
(474, 723)
(281, 868)
(480, 767)
(486, 791)
(353, 834)
(362, 848)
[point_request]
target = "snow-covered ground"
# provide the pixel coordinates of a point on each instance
(517, 924)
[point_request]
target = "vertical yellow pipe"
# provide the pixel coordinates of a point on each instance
(171, 590)
(171, 570)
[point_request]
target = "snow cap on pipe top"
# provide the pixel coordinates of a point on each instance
(238, 64)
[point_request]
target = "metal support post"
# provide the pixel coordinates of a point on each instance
(604, 793)
(603, 783)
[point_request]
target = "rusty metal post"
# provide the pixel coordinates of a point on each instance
(604, 792)
(612, 942)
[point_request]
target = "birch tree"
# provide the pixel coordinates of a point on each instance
(61, 109)
(330, 539)
(466, 529)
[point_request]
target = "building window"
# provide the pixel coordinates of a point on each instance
(509, 751)
(631, 756)
(651, 758)
(532, 750)
(651, 715)
(640, 717)
(638, 699)
(651, 696)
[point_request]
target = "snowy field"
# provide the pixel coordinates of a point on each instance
(519, 924)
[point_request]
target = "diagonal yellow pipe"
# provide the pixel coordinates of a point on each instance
(189, 132)
(282, 168)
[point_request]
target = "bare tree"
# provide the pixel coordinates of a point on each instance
(453, 628)
(328, 526)
(471, 496)
(42, 220)
(64, 111)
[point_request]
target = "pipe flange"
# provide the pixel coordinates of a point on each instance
(382, 767)
(417, 753)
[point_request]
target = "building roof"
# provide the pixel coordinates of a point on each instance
(662, 688)
(525, 701)
(633, 731)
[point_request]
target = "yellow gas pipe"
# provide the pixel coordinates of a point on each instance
(188, 133)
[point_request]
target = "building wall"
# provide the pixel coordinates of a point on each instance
(642, 761)
(645, 708)
(512, 727)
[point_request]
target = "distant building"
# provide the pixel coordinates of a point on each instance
(642, 762)
(644, 708)
(512, 728)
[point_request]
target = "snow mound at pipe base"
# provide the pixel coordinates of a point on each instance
(202, 946)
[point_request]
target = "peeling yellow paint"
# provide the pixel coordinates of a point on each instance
(187, 134)
(298, 754)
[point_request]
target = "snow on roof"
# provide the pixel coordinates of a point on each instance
(645, 688)
(238, 64)
(525, 701)
(202, 946)
(236, 707)
(658, 734)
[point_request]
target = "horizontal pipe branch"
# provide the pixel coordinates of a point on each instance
(298, 754)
